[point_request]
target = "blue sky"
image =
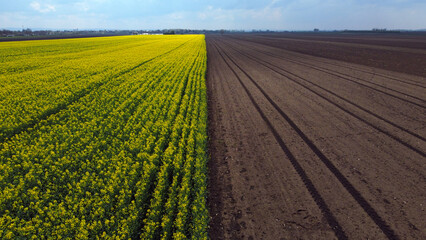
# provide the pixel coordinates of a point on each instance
(226, 14)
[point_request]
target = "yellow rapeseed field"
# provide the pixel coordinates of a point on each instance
(103, 138)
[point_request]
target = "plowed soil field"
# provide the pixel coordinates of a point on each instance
(316, 138)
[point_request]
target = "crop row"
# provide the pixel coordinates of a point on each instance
(126, 159)
(40, 77)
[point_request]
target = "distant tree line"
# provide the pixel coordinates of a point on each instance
(76, 33)
(27, 34)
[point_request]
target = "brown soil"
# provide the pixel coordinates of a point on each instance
(414, 40)
(366, 51)
(304, 147)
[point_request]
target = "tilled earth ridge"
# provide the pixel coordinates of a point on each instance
(304, 147)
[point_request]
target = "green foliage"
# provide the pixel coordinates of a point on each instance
(104, 138)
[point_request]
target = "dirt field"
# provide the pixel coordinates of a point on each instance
(401, 53)
(308, 147)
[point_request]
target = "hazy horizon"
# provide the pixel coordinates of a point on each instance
(293, 15)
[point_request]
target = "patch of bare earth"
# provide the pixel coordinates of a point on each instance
(307, 147)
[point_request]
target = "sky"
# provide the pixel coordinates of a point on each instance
(209, 14)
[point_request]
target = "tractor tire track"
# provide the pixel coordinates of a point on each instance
(387, 230)
(396, 138)
(308, 145)
(306, 180)
(348, 78)
(417, 84)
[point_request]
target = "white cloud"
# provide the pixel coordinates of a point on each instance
(269, 16)
(176, 16)
(82, 6)
(45, 8)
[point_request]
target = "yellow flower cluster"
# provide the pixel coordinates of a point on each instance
(103, 138)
